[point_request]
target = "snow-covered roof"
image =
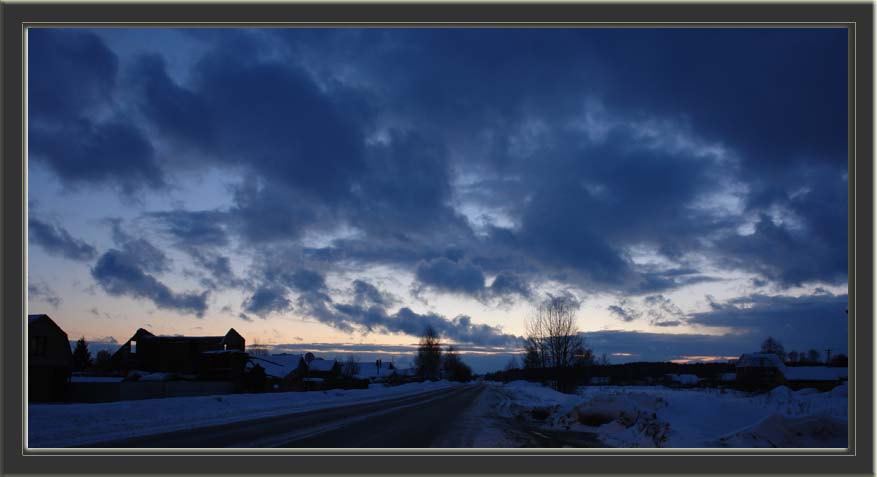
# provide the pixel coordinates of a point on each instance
(223, 351)
(683, 378)
(277, 365)
(321, 364)
(815, 373)
(760, 360)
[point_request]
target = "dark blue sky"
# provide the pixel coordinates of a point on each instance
(354, 185)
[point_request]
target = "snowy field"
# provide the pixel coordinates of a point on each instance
(66, 425)
(645, 416)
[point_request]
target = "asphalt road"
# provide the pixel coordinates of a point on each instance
(461, 416)
(410, 421)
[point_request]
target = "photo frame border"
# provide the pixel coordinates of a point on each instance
(857, 18)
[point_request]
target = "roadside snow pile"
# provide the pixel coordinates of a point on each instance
(777, 430)
(643, 416)
(67, 425)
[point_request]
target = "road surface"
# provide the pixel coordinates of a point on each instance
(460, 416)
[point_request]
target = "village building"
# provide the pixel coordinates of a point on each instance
(204, 357)
(49, 360)
(760, 371)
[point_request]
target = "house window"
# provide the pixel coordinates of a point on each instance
(133, 346)
(225, 346)
(38, 346)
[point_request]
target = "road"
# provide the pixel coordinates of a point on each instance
(461, 416)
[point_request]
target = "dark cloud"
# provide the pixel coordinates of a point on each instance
(446, 275)
(364, 293)
(244, 317)
(120, 274)
(266, 300)
(139, 250)
(55, 240)
(508, 284)
(193, 228)
(797, 321)
(624, 311)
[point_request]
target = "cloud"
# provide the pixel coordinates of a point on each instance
(139, 250)
(120, 274)
(244, 317)
(40, 290)
(624, 311)
(266, 300)
(446, 275)
(364, 293)
(806, 321)
(55, 240)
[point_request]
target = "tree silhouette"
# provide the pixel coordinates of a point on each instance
(81, 355)
(772, 346)
(429, 355)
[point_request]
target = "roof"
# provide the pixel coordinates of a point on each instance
(277, 365)
(815, 373)
(760, 360)
(32, 319)
(321, 364)
(370, 370)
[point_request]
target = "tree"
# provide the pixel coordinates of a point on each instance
(102, 360)
(453, 367)
(772, 346)
(583, 356)
(258, 349)
(81, 355)
(813, 356)
(552, 334)
(429, 355)
(350, 368)
(840, 360)
(793, 357)
(532, 359)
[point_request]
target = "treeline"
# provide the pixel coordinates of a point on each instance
(432, 364)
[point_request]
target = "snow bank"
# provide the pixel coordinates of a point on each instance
(780, 431)
(643, 416)
(66, 425)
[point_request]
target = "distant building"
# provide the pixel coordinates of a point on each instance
(49, 360)
(212, 357)
(760, 371)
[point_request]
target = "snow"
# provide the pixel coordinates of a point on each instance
(321, 365)
(686, 379)
(65, 425)
(815, 373)
(646, 416)
(278, 365)
(95, 379)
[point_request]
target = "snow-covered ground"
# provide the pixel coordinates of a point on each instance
(646, 416)
(66, 425)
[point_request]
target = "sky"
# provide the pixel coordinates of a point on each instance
(340, 190)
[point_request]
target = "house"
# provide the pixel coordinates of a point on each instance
(377, 371)
(49, 360)
(760, 371)
(822, 378)
(209, 357)
(322, 368)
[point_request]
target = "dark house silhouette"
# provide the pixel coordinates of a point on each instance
(49, 360)
(216, 357)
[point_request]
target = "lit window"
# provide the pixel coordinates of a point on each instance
(133, 346)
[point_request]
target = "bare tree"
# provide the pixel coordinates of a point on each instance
(350, 368)
(772, 346)
(552, 334)
(257, 348)
(429, 355)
